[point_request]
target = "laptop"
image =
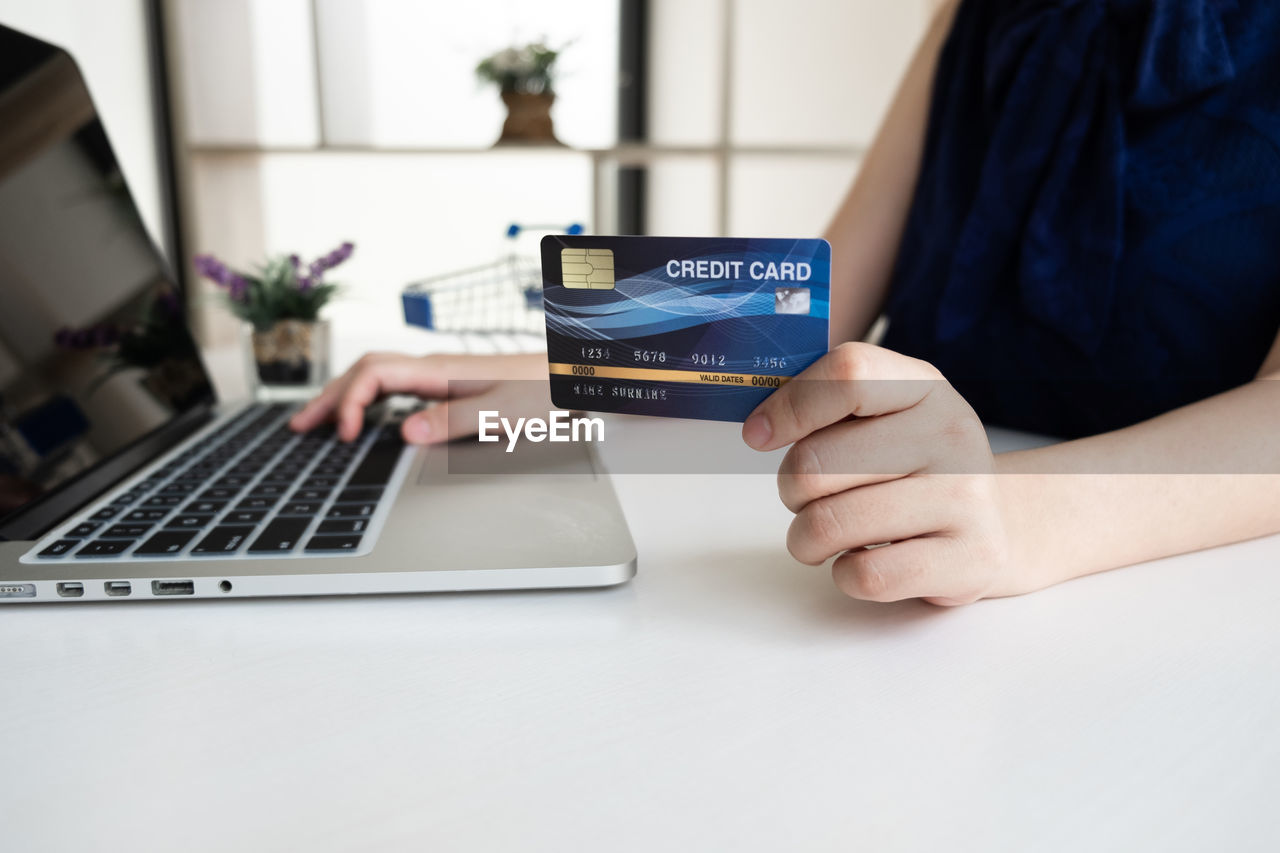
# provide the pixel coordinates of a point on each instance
(123, 477)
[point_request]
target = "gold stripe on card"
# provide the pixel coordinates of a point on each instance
(698, 377)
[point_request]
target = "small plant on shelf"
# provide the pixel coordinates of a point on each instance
(525, 76)
(528, 68)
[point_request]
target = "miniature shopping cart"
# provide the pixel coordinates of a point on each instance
(500, 298)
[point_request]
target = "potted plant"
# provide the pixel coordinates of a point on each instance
(525, 76)
(280, 304)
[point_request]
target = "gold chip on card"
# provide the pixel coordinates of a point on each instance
(587, 269)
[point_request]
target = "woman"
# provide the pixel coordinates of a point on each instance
(1071, 217)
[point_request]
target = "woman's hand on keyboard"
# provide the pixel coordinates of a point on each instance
(466, 384)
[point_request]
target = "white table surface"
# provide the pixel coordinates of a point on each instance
(727, 698)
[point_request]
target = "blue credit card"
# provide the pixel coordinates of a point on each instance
(681, 327)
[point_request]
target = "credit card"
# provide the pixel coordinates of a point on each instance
(681, 327)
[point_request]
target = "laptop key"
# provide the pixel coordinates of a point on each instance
(300, 508)
(160, 500)
(376, 467)
(189, 521)
(203, 507)
(82, 530)
(165, 543)
(245, 516)
(107, 512)
(180, 488)
(359, 494)
(351, 511)
(319, 482)
(104, 548)
(146, 515)
(267, 490)
(223, 540)
(282, 534)
(57, 549)
(344, 525)
(309, 495)
(126, 531)
(220, 493)
(257, 503)
(333, 543)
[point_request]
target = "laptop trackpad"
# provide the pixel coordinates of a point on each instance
(468, 459)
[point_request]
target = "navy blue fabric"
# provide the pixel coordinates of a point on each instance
(1095, 235)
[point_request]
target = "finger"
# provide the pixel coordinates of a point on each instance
(853, 379)
(380, 377)
(851, 454)
(933, 568)
(324, 405)
(418, 427)
(321, 406)
(940, 435)
(872, 515)
(460, 416)
(445, 421)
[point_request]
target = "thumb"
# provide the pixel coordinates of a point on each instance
(445, 421)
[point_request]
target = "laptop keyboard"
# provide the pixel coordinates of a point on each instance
(253, 488)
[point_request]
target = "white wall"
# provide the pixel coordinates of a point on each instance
(803, 74)
(394, 73)
(247, 72)
(108, 38)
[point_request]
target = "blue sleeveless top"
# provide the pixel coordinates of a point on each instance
(1095, 234)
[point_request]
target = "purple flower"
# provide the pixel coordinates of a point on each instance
(214, 270)
(238, 287)
(317, 268)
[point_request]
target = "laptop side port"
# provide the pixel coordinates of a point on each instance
(70, 589)
(117, 588)
(173, 588)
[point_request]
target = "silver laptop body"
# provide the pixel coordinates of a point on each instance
(123, 478)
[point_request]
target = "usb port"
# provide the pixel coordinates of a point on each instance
(117, 587)
(70, 590)
(173, 588)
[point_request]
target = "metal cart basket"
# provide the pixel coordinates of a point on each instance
(501, 298)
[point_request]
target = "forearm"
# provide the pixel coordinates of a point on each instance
(1203, 475)
(867, 229)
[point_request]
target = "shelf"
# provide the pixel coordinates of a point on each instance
(622, 153)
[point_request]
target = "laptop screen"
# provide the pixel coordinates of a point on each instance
(95, 354)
